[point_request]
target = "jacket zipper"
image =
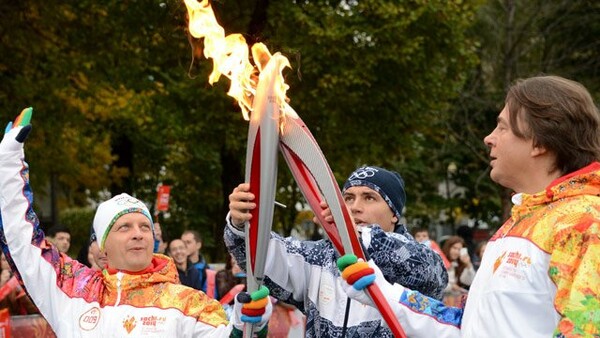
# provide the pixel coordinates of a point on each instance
(119, 277)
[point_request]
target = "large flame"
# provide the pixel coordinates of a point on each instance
(230, 58)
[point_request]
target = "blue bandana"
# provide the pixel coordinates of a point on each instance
(389, 184)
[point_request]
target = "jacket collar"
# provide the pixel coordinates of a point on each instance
(162, 269)
(585, 181)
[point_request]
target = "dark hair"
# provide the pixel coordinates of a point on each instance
(466, 232)
(446, 250)
(560, 116)
(168, 249)
(56, 229)
(194, 233)
(479, 248)
(229, 262)
(416, 230)
(82, 256)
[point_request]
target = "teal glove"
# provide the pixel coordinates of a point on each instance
(16, 132)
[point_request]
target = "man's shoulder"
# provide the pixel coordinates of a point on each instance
(178, 291)
(376, 233)
(192, 271)
(201, 265)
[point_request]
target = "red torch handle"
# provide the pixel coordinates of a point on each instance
(311, 193)
(315, 180)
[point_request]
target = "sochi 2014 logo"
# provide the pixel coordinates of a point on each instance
(129, 323)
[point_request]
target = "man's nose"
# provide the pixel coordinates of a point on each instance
(355, 206)
(488, 140)
(137, 232)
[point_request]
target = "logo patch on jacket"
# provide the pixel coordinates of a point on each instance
(150, 324)
(512, 265)
(153, 324)
(89, 319)
(129, 324)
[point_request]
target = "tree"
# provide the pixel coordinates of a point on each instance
(117, 110)
(517, 39)
(374, 79)
(122, 100)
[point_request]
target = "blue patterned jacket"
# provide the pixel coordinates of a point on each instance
(305, 274)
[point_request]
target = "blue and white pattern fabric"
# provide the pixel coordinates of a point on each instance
(305, 274)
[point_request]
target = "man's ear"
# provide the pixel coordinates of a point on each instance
(538, 150)
(394, 219)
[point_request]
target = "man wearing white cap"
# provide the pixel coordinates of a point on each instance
(137, 295)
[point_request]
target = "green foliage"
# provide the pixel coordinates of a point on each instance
(517, 39)
(122, 106)
(373, 80)
(79, 221)
(122, 102)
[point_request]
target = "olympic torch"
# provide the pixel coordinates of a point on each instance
(317, 183)
(261, 173)
(273, 125)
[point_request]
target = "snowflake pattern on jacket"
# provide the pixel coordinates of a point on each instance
(305, 274)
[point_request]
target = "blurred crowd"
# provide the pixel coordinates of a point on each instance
(461, 256)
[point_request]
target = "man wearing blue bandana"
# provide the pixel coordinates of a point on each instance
(304, 273)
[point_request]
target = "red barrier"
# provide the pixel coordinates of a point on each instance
(4, 324)
(30, 326)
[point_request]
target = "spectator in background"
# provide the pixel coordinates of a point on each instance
(60, 236)
(96, 257)
(193, 241)
(187, 274)
(466, 233)
(229, 282)
(160, 245)
(461, 272)
(84, 256)
(421, 235)
(6, 272)
(479, 250)
(12, 295)
(228, 279)
(87, 253)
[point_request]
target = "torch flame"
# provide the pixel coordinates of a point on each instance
(230, 58)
